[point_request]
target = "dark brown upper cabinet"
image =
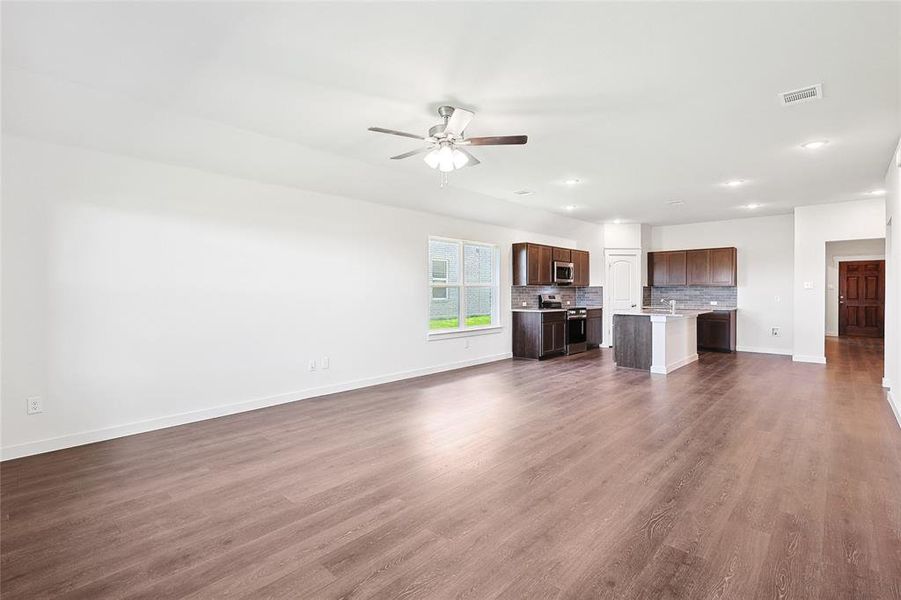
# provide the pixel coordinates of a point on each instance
(533, 264)
(562, 255)
(723, 266)
(580, 266)
(697, 267)
(666, 268)
(709, 266)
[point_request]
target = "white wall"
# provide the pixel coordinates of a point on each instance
(139, 295)
(851, 250)
(893, 277)
(765, 249)
(814, 226)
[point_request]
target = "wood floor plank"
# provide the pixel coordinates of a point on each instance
(739, 476)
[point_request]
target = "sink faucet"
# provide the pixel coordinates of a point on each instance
(672, 305)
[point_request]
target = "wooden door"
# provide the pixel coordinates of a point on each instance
(723, 266)
(675, 268)
(697, 267)
(580, 266)
(861, 298)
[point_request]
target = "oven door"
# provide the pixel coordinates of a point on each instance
(576, 331)
(563, 272)
(576, 335)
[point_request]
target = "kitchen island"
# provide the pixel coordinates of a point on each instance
(655, 340)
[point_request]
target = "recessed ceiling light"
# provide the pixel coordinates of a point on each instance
(676, 202)
(572, 181)
(814, 145)
(570, 207)
(876, 193)
(752, 206)
(734, 182)
(617, 221)
(523, 192)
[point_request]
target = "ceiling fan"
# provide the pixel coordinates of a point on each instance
(445, 148)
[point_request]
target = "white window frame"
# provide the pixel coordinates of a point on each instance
(438, 280)
(462, 286)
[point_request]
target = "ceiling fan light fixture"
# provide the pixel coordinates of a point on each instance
(431, 159)
(446, 159)
(460, 159)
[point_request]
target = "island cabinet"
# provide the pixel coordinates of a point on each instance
(716, 331)
(707, 266)
(539, 334)
(533, 264)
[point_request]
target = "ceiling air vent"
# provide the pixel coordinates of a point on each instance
(812, 92)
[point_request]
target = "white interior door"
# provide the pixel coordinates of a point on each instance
(622, 290)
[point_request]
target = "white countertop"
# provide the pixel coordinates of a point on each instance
(664, 312)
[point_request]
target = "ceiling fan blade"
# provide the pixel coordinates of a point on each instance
(458, 121)
(473, 161)
(498, 140)
(395, 132)
(411, 153)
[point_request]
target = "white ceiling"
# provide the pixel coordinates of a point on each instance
(645, 103)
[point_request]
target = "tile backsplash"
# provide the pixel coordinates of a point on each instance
(690, 295)
(576, 296)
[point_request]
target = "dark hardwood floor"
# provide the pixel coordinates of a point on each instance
(741, 476)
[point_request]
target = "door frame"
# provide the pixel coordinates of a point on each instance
(838, 260)
(607, 338)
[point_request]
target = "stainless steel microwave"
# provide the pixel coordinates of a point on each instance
(563, 272)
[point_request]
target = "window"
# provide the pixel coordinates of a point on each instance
(463, 281)
(439, 275)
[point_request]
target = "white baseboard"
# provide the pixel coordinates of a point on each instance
(886, 383)
(109, 433)
(806, 358)
(675, 365)
(762, 350)
(831, 333)
(896, 406)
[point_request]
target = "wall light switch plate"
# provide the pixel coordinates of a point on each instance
(312, 365)
(325, 362)
(34, 405)
(808, 285)
(775, 332)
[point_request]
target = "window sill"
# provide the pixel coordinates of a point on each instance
(458, 333)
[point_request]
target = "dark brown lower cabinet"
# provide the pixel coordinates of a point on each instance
(716, 331)
(595, 327)
(539, 334)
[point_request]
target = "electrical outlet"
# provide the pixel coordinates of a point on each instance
(714, 302)
(525, 303)
(325, 362)
(775, 332)
(34, 405)
(312, 365)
